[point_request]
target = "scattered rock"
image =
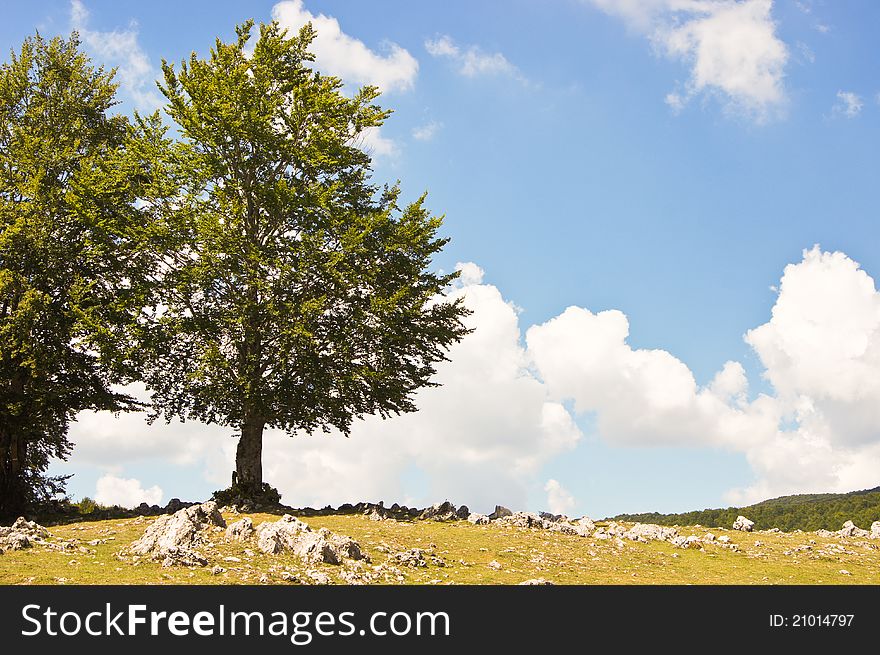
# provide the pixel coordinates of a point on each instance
(743, 524)
(849, 529)
(22, 534)
(444, 511)
(462, 512)
(241, 530)
(724, 539)
(585, 526)
(875, 530)
(844, 572)
(536, 581)
(291, 534)
(318, 577)
(173, 538)
(478, 519)
(274, 538)
(523, 520)
(414, 557)
(174, 505)
(646, 532)
(495, 565)
(500, 512)
(217, 570)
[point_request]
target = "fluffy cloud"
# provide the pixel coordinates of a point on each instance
(499, 416)
(559, 500)
(820, 350)
(638, 396)
(731, 47)
(427, 131)
(472, 61)
(125, 492)
(849, 104)
(121, 48)
(480, 438)
(346, 57)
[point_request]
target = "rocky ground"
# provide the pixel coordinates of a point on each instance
(371, 544)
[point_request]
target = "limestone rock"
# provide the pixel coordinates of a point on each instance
(536, 581)
(241, 530)
(744, 524)
(276, 537)
(585, 526)
(291, 534)
(645, 532)
(500, 511)
(22, 534)
(414, 557)
(875, 530)
(478, 519)
(849, 529)
(173, 537)
(523, 520)
(444, 511)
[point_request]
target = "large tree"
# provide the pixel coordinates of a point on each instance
(68, 258)
(296, 294)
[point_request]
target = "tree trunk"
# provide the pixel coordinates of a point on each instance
(249, 454)
(12, 456)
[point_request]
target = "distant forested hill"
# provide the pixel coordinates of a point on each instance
(805, 512)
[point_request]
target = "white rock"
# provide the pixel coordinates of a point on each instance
(291, 534)
(478, 519)
(849, 529)
(240, 530)
(744, 524)
(172, 538)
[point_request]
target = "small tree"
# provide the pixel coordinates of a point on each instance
(67, 257)
(296, 295)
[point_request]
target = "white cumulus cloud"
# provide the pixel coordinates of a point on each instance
(559, 500)
(427, 131)
(731, 47)
(125, 492)
(472, 61)
(135, 73)
(817, 431)
(344, 56)
(849, 104)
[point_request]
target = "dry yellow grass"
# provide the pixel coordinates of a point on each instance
(466, 550)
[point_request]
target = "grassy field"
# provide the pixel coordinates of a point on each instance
(465, 552)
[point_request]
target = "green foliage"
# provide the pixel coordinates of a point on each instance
(87, 506)
(800, 512)
(69, 259)
(295, 294)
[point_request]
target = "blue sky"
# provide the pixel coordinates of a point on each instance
(667, 159)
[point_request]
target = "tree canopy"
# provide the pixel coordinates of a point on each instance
(294, 293)
(69, 255)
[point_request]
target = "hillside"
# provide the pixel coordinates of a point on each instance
(799, 512)
(377, 550)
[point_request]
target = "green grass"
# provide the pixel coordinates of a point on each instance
(467, 550)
